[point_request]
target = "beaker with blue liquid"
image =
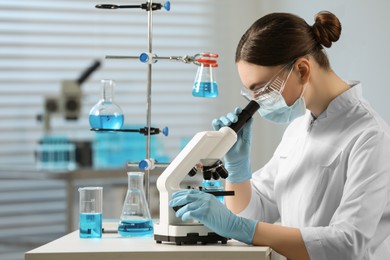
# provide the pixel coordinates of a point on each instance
(91, 209)
(205, 84)
(105, 114)
(135, 220)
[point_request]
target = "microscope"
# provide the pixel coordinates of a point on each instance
(68, 103)
(206, 148)
(57, 152)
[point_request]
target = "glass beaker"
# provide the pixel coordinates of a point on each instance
(91, 208)
(205, 84)
(105, 114)
(135, 220)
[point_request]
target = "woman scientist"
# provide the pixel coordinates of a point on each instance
(328, 182)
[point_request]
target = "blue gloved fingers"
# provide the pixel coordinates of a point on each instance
(185, 212)
(198, 208)
(232, 118)
(195, 214)
(183, 193)
(183, 197)
(217, 124)
(238, 110)
(226, 120)
(191, 201)
(221, 122)
(186, 216)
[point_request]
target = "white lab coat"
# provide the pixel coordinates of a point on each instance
(331, 179)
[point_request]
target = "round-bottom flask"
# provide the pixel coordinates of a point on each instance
(106, 114)
(135, 220)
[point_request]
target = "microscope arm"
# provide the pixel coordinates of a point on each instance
(210, 145)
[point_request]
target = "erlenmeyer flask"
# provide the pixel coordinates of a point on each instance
(205, 84)
(106, 114)
(135, 219)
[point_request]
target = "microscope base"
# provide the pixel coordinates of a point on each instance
(192, 238)
(186, 234)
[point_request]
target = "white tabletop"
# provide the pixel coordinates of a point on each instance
(113, 246)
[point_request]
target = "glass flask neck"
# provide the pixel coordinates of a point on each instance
(107, 90)
(135, 180)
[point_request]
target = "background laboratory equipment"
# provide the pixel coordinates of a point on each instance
(135, 219)
(68, 102)
(56, 153)
(149, 6)
(91, 209)
(205, 84)
(106, 114)
(123, 147)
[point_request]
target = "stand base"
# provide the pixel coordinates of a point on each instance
(192, 238)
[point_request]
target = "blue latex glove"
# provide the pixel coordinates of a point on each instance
(208, 210)
(237, 160)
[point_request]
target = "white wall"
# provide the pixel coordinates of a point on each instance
(362, 53)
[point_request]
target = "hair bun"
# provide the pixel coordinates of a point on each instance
(327, 28)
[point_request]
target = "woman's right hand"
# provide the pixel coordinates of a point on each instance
(237, 159)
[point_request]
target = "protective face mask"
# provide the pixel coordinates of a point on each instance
(276, 110)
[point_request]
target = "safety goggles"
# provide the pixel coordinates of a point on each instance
(273, 86)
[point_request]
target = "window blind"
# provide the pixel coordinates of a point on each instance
(45, 42)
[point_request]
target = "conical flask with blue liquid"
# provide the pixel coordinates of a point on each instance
(105, 114)
(205, 84)
(135, 220)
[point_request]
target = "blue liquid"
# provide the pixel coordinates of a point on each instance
(214, 185)
(205, 89)
(106, 121)
(136, 228)
(91, 225)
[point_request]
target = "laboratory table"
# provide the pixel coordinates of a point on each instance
(113, 246)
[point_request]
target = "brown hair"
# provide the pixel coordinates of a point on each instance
(279, 38)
